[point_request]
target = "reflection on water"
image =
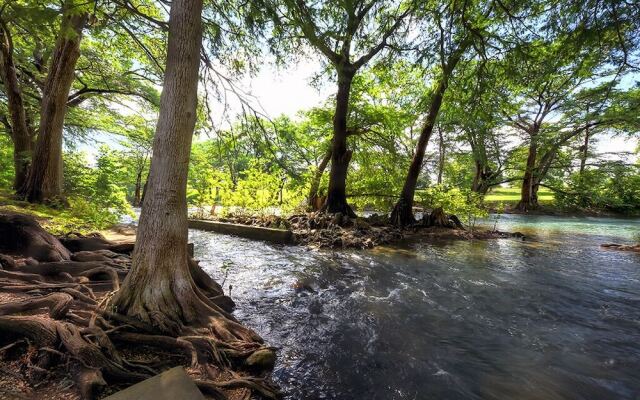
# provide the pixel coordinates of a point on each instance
(551, 317)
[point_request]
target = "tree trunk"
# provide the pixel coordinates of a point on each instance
(315, 183)
(402, 213)
(19, 132)
(145, 187)
(161, 288)
(477, 177)
(483, 178)
(585, 151)
(440, 156)
(137, 196)
(44, 181)
(528, 195)
(340, 155)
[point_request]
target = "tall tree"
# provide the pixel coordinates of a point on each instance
(17, 124)
(44, 181)
(165, 288)
(339, 30)
(42, 52)
(455, 34)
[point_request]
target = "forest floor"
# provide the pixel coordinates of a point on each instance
(60, 340)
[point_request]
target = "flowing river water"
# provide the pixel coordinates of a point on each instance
(551, 317)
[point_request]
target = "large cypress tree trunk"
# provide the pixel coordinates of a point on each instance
(20, 133)
(476, 184)
(44, 181)
(162, 288)
(402, 213)
(340, 155)
(315, 182)
(528, 196)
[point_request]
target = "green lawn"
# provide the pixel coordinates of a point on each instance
(56, 221)
(511, 196)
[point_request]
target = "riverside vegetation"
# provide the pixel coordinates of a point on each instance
(435, 108)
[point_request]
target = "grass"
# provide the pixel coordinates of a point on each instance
(511, 196)
(76, 218)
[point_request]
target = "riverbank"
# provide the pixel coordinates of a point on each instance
(552, 211)
(504, 200)
(319, 230)
(60, 339)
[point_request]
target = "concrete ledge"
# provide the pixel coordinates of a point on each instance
(281, 236)
(170, 385)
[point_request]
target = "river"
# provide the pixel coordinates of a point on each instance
(551, 317)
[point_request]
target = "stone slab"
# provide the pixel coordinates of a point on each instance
(281, 236)
(173, 384)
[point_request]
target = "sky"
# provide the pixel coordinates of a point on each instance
(286, 91)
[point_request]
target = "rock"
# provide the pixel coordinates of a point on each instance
(315, 307)
(262, 359)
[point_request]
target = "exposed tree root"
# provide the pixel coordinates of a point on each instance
(621, 247)
(60, 321)
(23, 235)
(438, 218)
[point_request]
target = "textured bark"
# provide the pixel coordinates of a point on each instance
(528, 192)
(44, 181)
(315, 183)
(585, 151)
(441, 153)
(137, 196)
(340, 154)
(19, 132)
(161, 288)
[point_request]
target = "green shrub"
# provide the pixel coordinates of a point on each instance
(614, 187)
(467, 205)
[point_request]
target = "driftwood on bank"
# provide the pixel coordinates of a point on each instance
(621, 247)
(55, 319)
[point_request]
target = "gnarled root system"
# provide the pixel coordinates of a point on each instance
(55, 316)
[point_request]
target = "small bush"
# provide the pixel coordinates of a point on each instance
(467, 205)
